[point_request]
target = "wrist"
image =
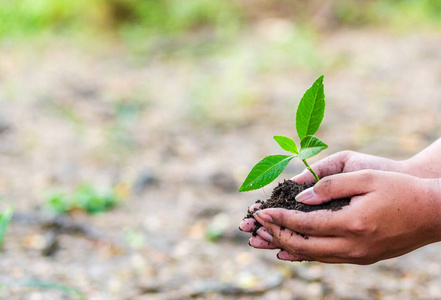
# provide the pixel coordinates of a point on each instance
(416, 167)
(433, 202)
(407, 166)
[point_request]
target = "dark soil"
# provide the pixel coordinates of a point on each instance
(284, 194)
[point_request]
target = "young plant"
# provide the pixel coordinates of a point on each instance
(86, 198)
(5, 220)
(309, 116)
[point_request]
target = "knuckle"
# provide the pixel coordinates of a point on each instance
(274, 230)
(357, 227)
(290, 219)
(366, 176)
(271, 229)
(280, 217)
(346, 154)
(359, 255)
(323, 186)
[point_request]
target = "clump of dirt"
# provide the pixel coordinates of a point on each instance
(283, 196)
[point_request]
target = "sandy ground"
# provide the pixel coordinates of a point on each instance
(180, 131)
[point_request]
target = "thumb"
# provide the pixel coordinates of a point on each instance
(304, 177)
(330, 165)
(336, 187)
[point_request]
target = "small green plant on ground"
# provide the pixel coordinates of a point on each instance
(27, 17)
(5, 220)
(309, 116)
(86, 198)
(44, 285)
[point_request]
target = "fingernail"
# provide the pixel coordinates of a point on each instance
(305, 195)
(264, 234)
(258, 219)
(264, 216)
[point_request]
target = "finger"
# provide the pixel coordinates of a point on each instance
(324, 249)
(304, 177)
(258, 242)
(261, 218)
(263, 234)
(316, 223)
(337, 187)
(247, 225)
(255, 207)
(330, 165)
(285, 255)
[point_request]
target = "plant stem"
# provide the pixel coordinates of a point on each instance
(310, 170)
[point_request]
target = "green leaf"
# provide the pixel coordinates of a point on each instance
(5, 219)
(310, 146)
(265, 171)
(286, 143)
(311, 110)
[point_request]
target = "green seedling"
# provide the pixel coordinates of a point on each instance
(309, 116)
(86, 198)
(5, 220)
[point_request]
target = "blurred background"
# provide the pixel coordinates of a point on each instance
(127, 126)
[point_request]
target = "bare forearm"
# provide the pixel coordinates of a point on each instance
(427, 163)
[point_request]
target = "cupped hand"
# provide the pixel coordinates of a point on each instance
(390, 214)
(341, 162)
(350, 161)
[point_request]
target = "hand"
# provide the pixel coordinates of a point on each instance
(341, 162)
(350, 161)
(248, 225)
(390, 214)
(425, 164)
